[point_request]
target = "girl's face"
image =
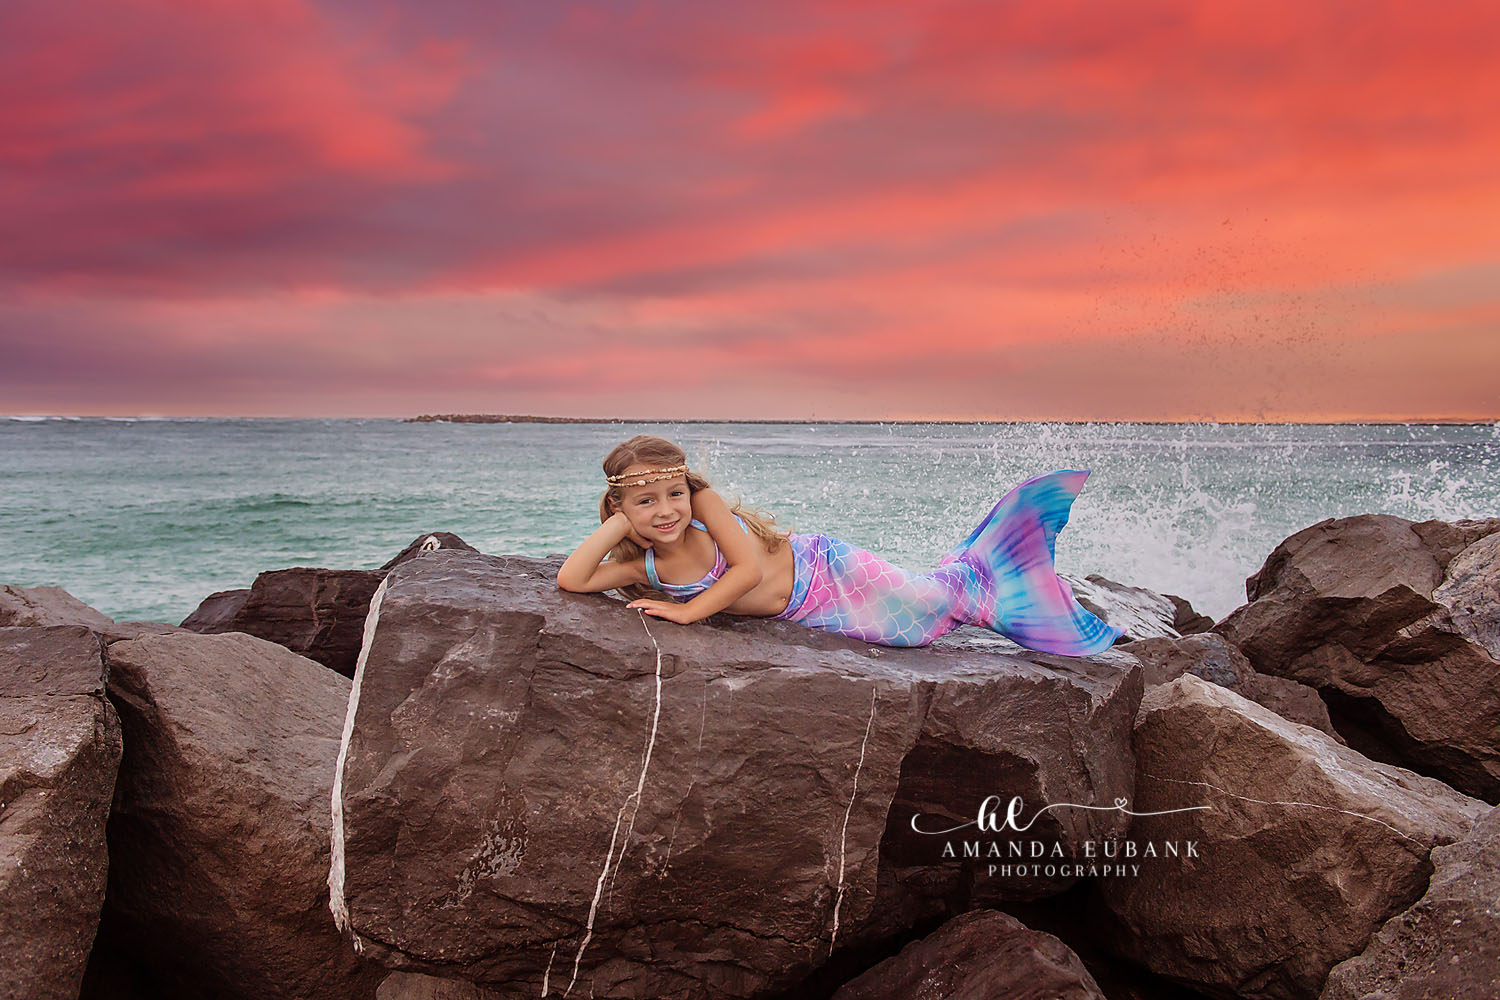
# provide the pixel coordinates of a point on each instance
(658, 512)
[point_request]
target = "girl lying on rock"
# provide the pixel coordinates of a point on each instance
(664, 525)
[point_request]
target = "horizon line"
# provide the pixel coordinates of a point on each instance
(497, 418)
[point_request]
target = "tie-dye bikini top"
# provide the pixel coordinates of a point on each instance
(691, 589)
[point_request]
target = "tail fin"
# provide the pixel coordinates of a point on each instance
(1014, 547)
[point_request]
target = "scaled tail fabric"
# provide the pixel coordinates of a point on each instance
(1001, 578)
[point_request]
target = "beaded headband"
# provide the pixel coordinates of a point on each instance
(642, 478)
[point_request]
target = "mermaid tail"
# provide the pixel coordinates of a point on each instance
(1000, 577)
(1015, 547)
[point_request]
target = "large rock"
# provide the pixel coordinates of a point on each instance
(1214, 658)
(1448, 943)
(319, 613)
(48, 606)
(542, 787)
(1303, 847)
(59, 750)
(981, 955)
(1471, 592)
(1142, 613)
(1067, 918)
(215, 614)
(55, 606)
(219, 836)
(1392, 622)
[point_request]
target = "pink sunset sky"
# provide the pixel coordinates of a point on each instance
(1023, 210)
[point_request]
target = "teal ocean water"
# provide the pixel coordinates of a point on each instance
(143, 518)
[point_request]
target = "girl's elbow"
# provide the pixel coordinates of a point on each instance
(566, 582)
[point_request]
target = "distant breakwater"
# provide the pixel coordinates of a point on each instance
(517, 418)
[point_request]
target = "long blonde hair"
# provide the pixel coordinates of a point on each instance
(647, 449)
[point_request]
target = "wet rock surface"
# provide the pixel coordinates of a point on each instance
(1142, 613)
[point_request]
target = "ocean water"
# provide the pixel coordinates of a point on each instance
(143, 518)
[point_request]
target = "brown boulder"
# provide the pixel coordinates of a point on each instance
(1292, 700)
(219, 836)
(1303, 847)
(981, 955)
(542, 787)
(1448, 943)
(1186, 620)
(318, 613)
(59, 750)
(1214, 658)
(1067, 917)
(55, 606)
(1388, 620)
(48, 606)
(1142, 613)
(216, 612)
(1471, 592)
(1209, 656)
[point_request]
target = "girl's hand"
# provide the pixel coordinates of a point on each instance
(670, 610)
(630, 532)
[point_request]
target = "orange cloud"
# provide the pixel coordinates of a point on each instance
(936, 201)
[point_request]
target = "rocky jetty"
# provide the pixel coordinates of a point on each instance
(524, 792)
(1301, 848)
(606, 792)
(1394, 622)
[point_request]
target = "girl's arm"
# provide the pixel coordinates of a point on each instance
(742, 566)
(584, 572)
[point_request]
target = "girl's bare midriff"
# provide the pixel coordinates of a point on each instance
(770, 596)
(775, 588)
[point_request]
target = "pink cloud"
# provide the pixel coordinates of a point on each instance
(885, 192)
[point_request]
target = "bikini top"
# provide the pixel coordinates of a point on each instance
(690, 589)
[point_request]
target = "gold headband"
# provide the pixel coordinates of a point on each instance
(642, 478)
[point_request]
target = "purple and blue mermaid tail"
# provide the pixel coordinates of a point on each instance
(1001, 578)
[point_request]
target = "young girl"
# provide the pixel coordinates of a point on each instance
(663, 526)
